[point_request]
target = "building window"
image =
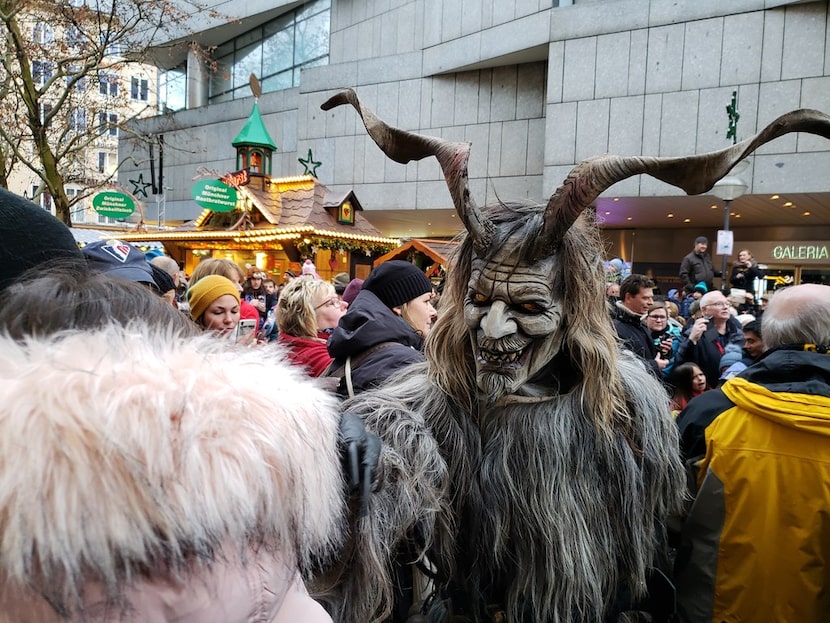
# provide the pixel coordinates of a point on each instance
(41, 72)
(43, 33)
(276, 52)
(108, 123)
(79, 208)
(172, 90)
(72, 74)
(45, 109)
(74, 38)
(77, 120)
(102, 161)
(108, 84)
(111, 47)
(139, 89)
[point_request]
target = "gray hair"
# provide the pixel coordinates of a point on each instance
(798, 315)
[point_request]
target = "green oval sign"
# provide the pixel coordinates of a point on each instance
(214, 195)
(113, 204)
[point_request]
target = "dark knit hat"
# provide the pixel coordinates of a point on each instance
(29, 237)
(701, 240)
(397, 282)
(120, 260)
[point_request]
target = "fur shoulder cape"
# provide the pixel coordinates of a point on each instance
(126, 448)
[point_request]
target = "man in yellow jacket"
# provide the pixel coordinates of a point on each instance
(756, 542)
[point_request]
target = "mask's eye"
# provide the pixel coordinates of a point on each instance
(531, 308)
(479, 299)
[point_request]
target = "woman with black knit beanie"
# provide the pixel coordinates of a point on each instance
(384, 327)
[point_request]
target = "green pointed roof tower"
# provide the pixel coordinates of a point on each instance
(254, 146)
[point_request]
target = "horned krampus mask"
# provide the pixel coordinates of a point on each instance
(516, 307)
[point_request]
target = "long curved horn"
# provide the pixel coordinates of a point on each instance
(402, 146)
(694, 174)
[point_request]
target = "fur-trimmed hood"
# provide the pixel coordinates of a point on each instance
(123, 449)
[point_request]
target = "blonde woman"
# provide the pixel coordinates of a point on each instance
(307, 312)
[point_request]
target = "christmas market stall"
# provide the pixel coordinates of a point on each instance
(273, 224)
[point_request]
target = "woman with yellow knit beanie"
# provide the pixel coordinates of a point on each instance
(214, 304)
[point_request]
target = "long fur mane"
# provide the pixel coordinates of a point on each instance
(547, 508)
(125, 450)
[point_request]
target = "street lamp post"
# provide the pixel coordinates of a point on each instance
(728, 189)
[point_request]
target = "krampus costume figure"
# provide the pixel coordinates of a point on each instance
(530, 464)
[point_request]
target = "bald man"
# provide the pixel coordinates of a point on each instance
(756, 542)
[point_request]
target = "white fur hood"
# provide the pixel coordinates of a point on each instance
(120, 444)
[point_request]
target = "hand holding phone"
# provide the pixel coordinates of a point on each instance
(244, 329)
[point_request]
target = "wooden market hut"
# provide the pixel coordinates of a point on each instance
(276, 223)
(429, 255)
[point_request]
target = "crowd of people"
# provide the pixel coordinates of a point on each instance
(135, 487)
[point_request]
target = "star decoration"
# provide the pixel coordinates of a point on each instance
(309, 164)
(140, 186)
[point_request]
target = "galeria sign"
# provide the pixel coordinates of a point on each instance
(214, 195)
(113, 204)
(800, 252)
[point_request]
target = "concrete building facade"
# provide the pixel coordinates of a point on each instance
(536, 86)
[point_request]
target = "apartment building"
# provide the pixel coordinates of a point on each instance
(82, 110)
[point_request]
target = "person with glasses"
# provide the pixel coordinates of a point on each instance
(308, 310)
(708, 338)
(657, 322)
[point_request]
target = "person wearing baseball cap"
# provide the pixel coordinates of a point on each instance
(120, 260)
(384, 327)
(697, 266)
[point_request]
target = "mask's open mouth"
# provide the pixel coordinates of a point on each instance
(500, 359)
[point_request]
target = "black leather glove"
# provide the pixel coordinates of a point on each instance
(360, 453)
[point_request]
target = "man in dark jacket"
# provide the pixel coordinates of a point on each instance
(636, 295)
(697, 266)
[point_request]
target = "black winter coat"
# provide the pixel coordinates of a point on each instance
(367, 323)
(695, 268)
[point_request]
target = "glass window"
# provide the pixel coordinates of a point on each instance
(279, 81)
(139, 89)
(45, 109)
(102, 161)
(172, 89)
(248, 61)
(220, 80)
(77, 120)
(275, 52)
(108, 84)
(815, 275)
(278, 53)
(41, 72)
(313, 8)
(43, 33)
(312, 38)
(80, 84)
